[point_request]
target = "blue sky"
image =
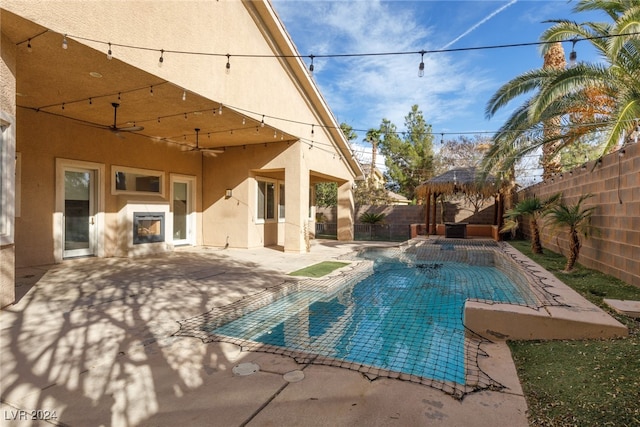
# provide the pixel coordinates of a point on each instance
(456, 85)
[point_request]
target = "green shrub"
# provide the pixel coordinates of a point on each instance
(372, 218)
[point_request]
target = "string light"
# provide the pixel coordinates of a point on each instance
(109, 55)
(151, 91)
(228, 66)
(220, 110)
(262, 122)
(573, 56)
(29, 46)
(64, 42)
(311, 67)
(184, 95)
(346, 55)
(161, 59)
(421, 66)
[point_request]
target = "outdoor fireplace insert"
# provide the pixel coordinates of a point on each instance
(148, 227)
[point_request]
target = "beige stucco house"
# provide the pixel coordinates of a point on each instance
(133, 127)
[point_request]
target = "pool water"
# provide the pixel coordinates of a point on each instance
(405, 318)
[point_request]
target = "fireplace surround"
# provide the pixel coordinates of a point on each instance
(148, 227)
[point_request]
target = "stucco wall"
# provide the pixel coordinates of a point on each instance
(43, 138)
(8, 108)
(615, 184)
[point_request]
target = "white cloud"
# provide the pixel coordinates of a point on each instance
(363, 90)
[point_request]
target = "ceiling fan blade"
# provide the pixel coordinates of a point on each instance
(213, 150)
(130, 129)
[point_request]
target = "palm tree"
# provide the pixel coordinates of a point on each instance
(535, 209)
(578, 220)
(585, 100)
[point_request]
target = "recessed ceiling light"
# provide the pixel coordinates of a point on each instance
(95, 74)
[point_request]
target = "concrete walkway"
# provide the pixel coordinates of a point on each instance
(89, 343)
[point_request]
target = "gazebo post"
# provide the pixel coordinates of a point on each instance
(433, 218)
(427, 211)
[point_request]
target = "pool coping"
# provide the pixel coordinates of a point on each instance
(573, 317)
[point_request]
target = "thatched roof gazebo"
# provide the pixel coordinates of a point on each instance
(460, 180)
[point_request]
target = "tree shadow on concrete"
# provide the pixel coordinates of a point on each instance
(91, 340)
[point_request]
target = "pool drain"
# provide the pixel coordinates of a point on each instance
(244, 369)
(294, 376)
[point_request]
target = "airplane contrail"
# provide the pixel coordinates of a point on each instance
(485, 19)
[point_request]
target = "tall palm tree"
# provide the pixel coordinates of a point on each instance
(601, 100)
(578, 220)
(535, 209)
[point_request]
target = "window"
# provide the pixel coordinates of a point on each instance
(266, 200)
(270, 203)
(7, 178)
(281, 202)
(128, 180)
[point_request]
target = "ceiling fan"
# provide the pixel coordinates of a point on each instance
(115, 128)
(206, 151)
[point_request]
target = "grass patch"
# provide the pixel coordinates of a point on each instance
(582, 382)
(320, 269)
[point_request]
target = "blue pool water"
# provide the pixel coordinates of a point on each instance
(405, 318)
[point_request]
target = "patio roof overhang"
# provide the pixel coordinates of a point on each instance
(80, 84)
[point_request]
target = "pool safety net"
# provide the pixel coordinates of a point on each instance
(403, 320)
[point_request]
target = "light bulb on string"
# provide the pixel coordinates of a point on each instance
(220, 110)
(184, 95)
(311, 67)
(228, 66)
(421, 66)
(29, 46)
(161, 59)
(109, 55)
(151, 91)
(573, 56)
(65, 45)
(244, 121)
(262, 122)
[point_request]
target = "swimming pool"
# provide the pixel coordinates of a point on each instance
(403, 321)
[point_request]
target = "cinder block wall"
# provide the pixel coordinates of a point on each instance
(394, 214)
(615, 184)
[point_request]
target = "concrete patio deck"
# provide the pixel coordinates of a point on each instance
(90, 342)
